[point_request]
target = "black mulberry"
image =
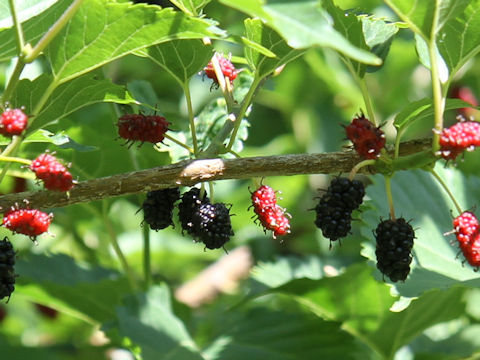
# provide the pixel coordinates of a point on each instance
(334, 210)
(158, 207)
(7, 272)
(211, 225)
(394, 246)
(191, 200)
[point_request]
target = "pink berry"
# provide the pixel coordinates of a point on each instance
(464, 135)
(271, 216)
(367, 139)
(30, 222)
(228, 70)
(144, 128)
(54, 175)
(13, 122)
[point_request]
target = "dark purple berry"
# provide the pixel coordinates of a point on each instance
(191, 200)
(158, 207)
(211, 225)
(394, 244)
(7, 271)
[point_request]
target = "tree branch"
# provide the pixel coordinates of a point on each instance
(188, 173)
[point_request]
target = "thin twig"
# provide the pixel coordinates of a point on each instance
(188, 173)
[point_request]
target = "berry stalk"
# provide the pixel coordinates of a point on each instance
(438, 98)
(388, 190)
(191, 119)
(116, 247)
(447, 190)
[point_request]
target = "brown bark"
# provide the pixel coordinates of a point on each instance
(188, 173)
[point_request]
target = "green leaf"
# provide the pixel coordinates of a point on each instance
(303, 24)
(257, 33)
(263, 333)
(436, 263)
(362, 304)
(61, 139)
(180, 58)
(191, 7)
(26, 9)
(400, 328)
(147, 319)
(67, 98)
(423, 109)
(424, 56)
(60, 282)
(426, 18)
(378, 36)
(102, 31)
(33, 29)
(459, 40)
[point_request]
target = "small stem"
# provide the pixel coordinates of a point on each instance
(18, 27)
(15, 160)
(398, 138)
(10, 149)
(53, 31)
(178, 142)
(210, 191)
(191, 118)
(388, 189)
(118, 251)
(447, 190)
(226, 90)
(366, 98)
(13, 81)
(234, 154)
(357, 167)
(241, 112)
(438, 99)
(147, 268)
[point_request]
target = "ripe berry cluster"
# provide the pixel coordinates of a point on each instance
(158, 207)
(13, 122)
(269, 213)
(334, 210)
(228, 70)
(205, 222)
(144, 128)
(30, 222)
(367, 139)
(464, 135)
(7, 271)
(467, 231)
(54, 175)
(394, 246)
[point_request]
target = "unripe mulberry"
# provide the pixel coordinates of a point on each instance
(158, 207)
(334, 210)
(228, 70)
(211, 225)
(269, 213)
(7, 271)
(13, 122)
(464, 135)
(30, 222)
(54, 175)
(191, 200)
(367, 139)
(394, 244)
(467, 230)
(144, 128)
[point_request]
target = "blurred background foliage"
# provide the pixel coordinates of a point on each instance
(300, 110)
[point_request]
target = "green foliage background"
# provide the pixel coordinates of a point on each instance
(301, 300)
